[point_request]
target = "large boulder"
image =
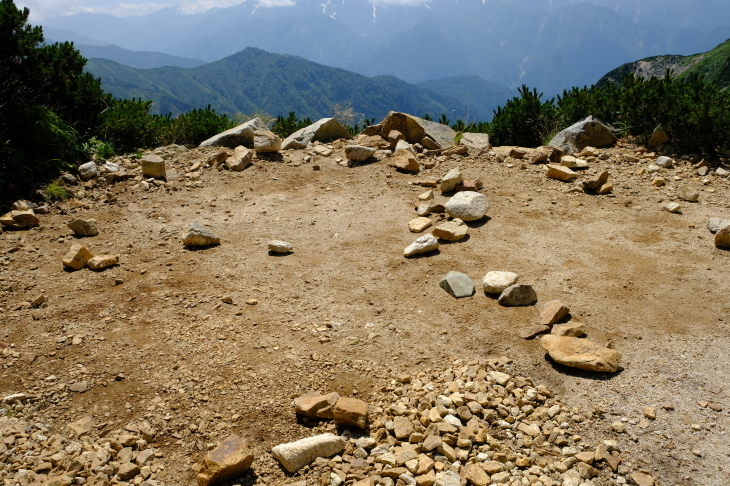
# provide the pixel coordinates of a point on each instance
(240, 135)
(590, 131)
(430, 134)
(324, 130)
(581, 353)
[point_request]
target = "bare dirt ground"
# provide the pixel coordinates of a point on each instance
(347, 312)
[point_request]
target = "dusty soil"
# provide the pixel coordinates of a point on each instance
(347, 312)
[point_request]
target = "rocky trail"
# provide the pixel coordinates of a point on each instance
(134, 372)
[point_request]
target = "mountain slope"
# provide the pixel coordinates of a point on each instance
(136, 59)
(479, 95)
(254, 80)
(714, 65)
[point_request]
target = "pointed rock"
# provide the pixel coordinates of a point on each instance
(241, 135)
(588, 132)
(424, 244)
(457, 285)
(265, 141)
(77, 257)
(324, 130)
(430, 134)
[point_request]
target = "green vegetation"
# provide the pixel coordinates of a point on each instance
(56, 191)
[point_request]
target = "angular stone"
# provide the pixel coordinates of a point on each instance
(596, 182)
(403, 147)
(419, 224)
(518, 295)
(532, 331)
(457, 284)
(467, 206)
(570, 329)
(20, 219)
(714, 224)
(278, 246)
(351, 412)
(100, 262)
(475, 475)
(407, 162)
(394, 136)
(588, 132)
(573, 162)
(241, 135)
(722, 238)
(688, 194)
(479, 142)
(81, 427)
(664, 162)
(316, 405)
(423, 244)
(87, 171)
(642, 479)
(84, 227)
(323, 130)
(240, 159)
(660, 135)
(199, 235)
(673, 207)
(538, 155)
(403, 427)
(426, 479)
(77, 257)
(560, 173)
(454, 230)
(605, 188)
(451, 179)
(265, 141)
(227, 461)
(553, 312)
(295, 455)
(127, 470)
(496, 282)
(581, 353)
(447, 478)
(358, 153)
(430, 134)
(493, 467)
(153, 166)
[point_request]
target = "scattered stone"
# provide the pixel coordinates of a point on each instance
(496, 282)
(553, 312)
(77, 257)
(476, 475)
(658, 181)
(573, 162)
(423, 244)
(153, 166)
(457, 284)
(426, 196)
(316, 405)
(102, 261)
(394, 136)
(406, 161)
(581, 353)
(240, 159)
(664, 162)
(403, 147)
(227, 461)
(38, 301)
(358, 153)
(295, 455)
(265, 141)
(278, 246)
(467, 206)
(673, 207)
(322, 150)
(454, 230)
(642, 479)
(605, 188)
(324, 130)
(532, 331)
(20, 219)
(649, 412)
(81, 427)
(570, 329)
(351, 412)
(430, 134)
(24, 205)
(597, 182)
(199, 235)
(688, 194)
(479, 142)
(722, 238)
(714, 224)
(451, 179)
(241, 135)
(84, 227)
(721, 172)
(87, 171)
(560, 173)
(660, 135)
(588, 132)
(419, 224)
(518, 295)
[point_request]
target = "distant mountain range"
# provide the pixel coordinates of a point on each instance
(547, 44)
(714, 65)
(253, 81)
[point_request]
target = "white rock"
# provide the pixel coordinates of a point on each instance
(451, 179)
(278, 246)
(497, 282)
(358, 153)
(714, 224)
(295, 455)
(664, 162)
(199, 235)
(673, 207)
(87, 171)
(467, 206)
(424, 244)
(240, 135)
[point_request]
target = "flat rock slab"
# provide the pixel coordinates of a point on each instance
(496, 282)
(451, 231)
(457, 284)
(323, 130)
(571, 329)
(424, 244)
(281, 247)
(100, 262)
(419, 224)
(358, 153)
(467, 206)
(553, 312)
(532, 331)
(351, 412)
(229, 460)
(518, 295)
(199, 235)
(581, 353)
(20, 219)
(241, 135)
(295, 455)
(316, 405)
(560, 173)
